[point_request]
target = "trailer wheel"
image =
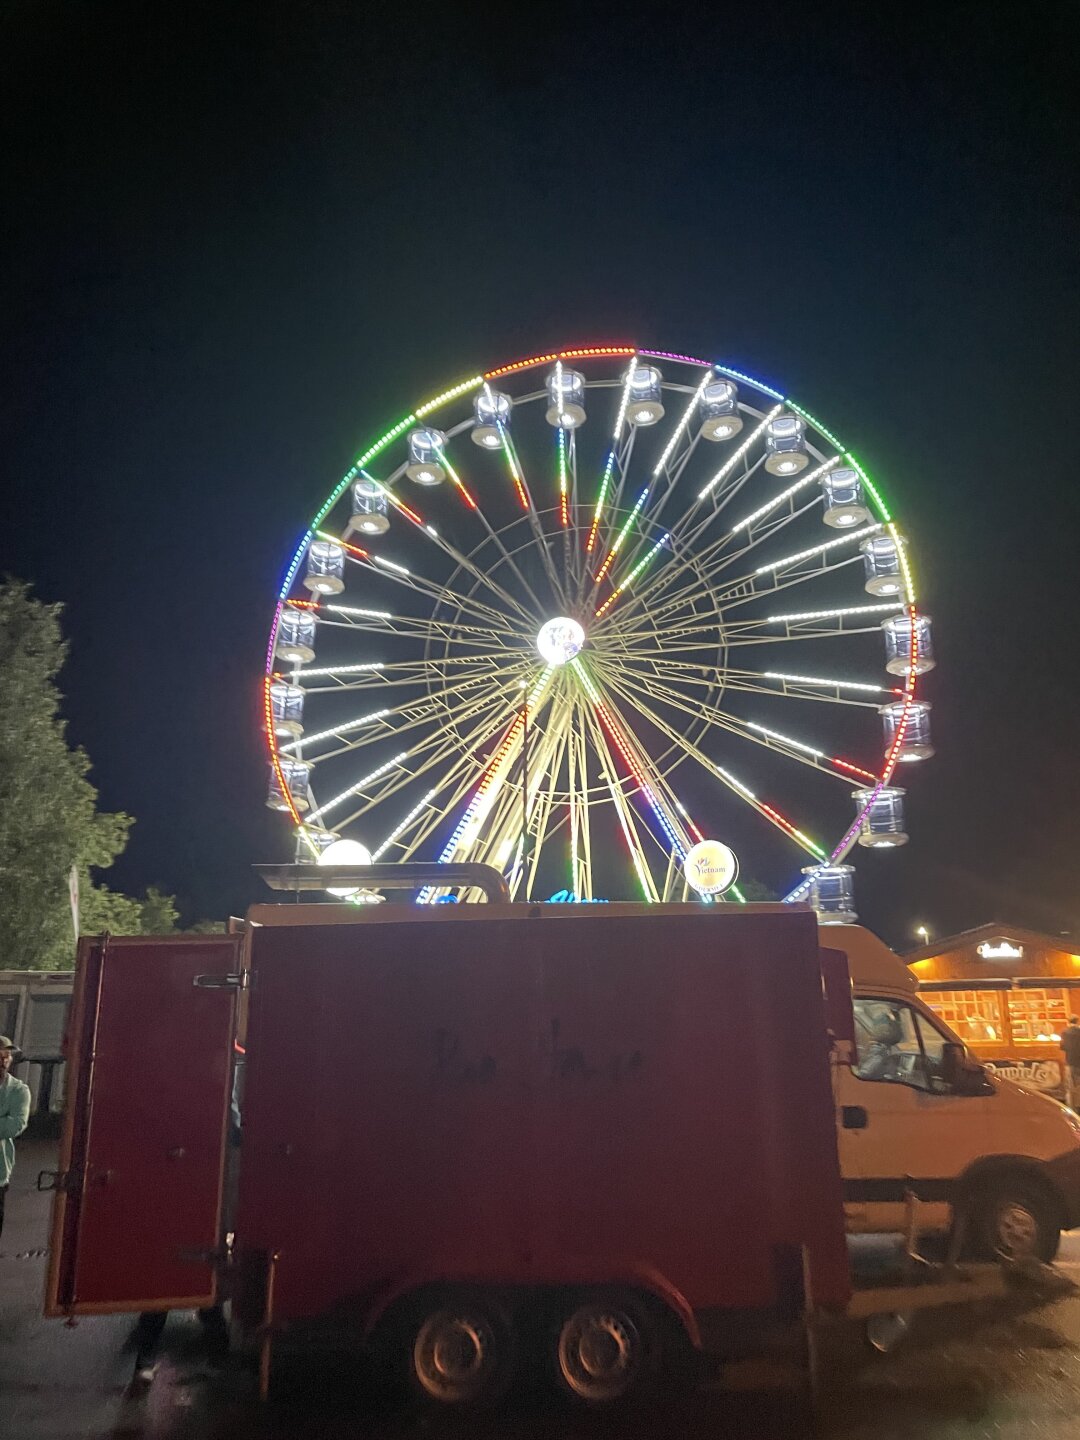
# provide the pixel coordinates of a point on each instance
(607, 1348)
(1014, 1219)
(459, 1351)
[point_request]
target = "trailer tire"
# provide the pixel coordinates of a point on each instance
(606, 1348)
(455, 1349)
(1015, 1219)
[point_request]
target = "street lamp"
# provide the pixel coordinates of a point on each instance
(923, 933)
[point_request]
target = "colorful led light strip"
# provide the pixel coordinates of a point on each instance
(836, 613)
(757, 384)
(610, 465)
(588, 353)
(448, 395)
(809, 749)
(821, 680)
(515, 471)
(564, 499)
(456, 478)
(883, 509)
(614, 730)
(634, 573)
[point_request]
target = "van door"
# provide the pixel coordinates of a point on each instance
(149, 1048)
(912, 1131)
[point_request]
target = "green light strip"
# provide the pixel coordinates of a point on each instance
(883, 509)
(816, 424)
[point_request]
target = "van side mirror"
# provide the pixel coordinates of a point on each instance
(960, 1072)
(952, 1064)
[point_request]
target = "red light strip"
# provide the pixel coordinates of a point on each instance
(589, 353)
(855, 769)
(275, 758)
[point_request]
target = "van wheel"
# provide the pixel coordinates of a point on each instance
(458, 1350)
(606, 1349)
(1016, 1220)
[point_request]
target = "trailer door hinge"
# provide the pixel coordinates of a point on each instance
(237, 981)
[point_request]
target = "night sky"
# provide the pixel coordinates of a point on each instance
(239, 240)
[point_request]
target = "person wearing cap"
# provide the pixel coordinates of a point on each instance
(14, 1113)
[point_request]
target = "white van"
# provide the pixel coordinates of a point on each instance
(917, 1112)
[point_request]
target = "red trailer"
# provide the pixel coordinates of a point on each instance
(604, 1133)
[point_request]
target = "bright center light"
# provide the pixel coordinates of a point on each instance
(786, 467)
(560, 640)
(344, 852)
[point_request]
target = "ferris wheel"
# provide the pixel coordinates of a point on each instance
(583, 614)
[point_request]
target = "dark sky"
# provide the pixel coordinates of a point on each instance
(241, 238)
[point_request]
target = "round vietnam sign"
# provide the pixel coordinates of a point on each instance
(710, 867)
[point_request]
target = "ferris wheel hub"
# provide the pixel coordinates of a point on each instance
(560, 640)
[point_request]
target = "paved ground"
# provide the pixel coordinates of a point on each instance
(1010, 1371)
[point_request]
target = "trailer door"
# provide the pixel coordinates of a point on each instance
(137, 1214)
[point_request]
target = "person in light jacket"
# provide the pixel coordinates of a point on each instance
(14, 1113)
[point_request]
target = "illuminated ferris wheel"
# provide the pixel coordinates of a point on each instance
(580, 614)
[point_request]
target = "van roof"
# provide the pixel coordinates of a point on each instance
(870, 961)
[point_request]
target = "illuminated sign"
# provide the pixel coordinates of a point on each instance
(1000, 950)
(710, 867)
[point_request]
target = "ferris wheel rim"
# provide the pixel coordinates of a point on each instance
(429, 408)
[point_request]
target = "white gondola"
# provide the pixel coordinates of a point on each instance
(370, 509)
(832, 893)
(898, 644)
(881, 559)
(325, 568)
(915, 743)
(287, 709)
(645, 407)
(491, 416)
(295, 636)
(882, 824)
(785, 446)
(425, 465)
(566, 404)
(295, 774)
(843, 496)
(720, 410)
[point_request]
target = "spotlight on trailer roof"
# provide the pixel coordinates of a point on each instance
(345, 852)
(842, 493)
(491, 410)
(325, 568)
(425, 465)
(915, 743)
(287, 709)
(882, 823)
(296, 636)
(370, 509)
(881, 559)
(785, 452)
(292, 783)
(566, 404)
(719, 408)
(832, 893)
(645, 406)
(902, 632)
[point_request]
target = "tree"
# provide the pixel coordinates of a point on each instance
(49, 820)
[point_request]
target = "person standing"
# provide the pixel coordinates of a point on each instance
(14, 1113)
(1070, 1044)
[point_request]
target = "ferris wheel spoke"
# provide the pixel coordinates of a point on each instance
(735, 785)
(610, 775)
(384, 622)
(649, 783)
(659, 469)
(820, 690)
(402, 575)
(424, 757)
(540, 538)
(618, 458)
(396, 721)
(799, 750)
